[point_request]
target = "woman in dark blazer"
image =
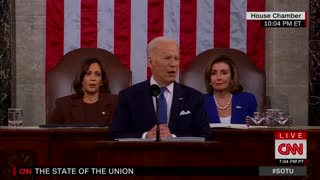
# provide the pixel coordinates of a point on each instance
(92, 103)
(225, 102)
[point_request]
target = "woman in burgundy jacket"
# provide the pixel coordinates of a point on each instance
(92, 103)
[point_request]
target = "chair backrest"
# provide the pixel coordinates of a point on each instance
(252, 79)
(61, 77)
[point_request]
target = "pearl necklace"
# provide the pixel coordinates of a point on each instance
(224, 107)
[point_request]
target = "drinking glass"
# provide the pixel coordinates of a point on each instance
(15, 117)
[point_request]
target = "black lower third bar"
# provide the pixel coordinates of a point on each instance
(196, 171)
(163, 171)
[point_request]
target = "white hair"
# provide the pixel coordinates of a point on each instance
(154, 42)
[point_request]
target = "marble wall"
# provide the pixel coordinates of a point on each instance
(286, 61)
(5, 59)
(314, 63)
(30, 59)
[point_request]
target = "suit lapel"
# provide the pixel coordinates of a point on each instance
(177, 102)
(149, 102)
(235, 112)
(215, 110)
(76, 110)
(105, 109)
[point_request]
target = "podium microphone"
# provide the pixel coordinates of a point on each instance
(155, 91)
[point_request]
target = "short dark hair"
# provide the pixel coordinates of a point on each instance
(86, 63)
(235, 85)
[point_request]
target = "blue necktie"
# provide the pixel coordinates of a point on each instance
(162, 107)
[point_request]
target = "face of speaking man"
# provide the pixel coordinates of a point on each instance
(163, 60)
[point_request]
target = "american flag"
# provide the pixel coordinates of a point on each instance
(124, 27)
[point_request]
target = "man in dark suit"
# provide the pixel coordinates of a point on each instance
(183, 107)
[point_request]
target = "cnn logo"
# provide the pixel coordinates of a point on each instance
(290, 145)
(25, 171)
(21, 171)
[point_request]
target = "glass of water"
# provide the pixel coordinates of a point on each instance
(256, 120)
(15, 117)
(271, 116)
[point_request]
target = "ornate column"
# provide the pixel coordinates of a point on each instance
(314, 63)
(5, 59)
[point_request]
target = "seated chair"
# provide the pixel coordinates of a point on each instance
(251, 78)
(60, 78)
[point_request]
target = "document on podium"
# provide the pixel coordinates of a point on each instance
(70, 125)
(173, 139)
(136, 139)
(231, 126)
(183, 139)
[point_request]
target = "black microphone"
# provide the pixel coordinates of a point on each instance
(155, 91)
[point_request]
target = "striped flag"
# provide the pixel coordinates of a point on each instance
(124, 27)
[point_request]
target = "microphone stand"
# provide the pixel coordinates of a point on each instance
(158, 124)
(155, 91)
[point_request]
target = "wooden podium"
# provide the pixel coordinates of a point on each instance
(158, 154)
(84, 147)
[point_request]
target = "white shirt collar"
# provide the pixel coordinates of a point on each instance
(169, 87)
